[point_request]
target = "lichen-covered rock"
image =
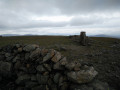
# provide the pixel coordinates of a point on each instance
(82, 76)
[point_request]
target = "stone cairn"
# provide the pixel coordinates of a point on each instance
(83, 39)
(29, 67)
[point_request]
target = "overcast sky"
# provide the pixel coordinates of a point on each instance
(60, 17)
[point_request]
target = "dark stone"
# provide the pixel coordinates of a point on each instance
(29, 48)
(40, 68)
(35, 54)
(5, 68)
(48, 67)
(56, 57)
(23, 79)
(49, 55)
(42, 79)
(57, 77)
(30, 84)
(40, 87)
(82, 76)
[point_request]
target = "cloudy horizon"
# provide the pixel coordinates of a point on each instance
(60, 17)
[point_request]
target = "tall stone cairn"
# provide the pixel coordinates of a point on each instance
(83, 39)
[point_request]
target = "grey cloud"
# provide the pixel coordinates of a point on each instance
(17, 15)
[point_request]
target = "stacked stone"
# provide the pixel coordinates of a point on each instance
(29, 67)
(84, 40)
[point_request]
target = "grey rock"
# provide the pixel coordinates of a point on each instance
(98, 85)
(22, 79)
(27, 56)
(64, 86)
(17, 65)
(29, 48)
(82, 76)
(62, 48)
(61, 79)
(20, 49)
(57, 66)
(72, 65)
(30, 84)
(17, 45)
(9, 58)
(5, 68)
(7, 55)
(49, 55)
(40, 87)
(16, 58)
(63, 61)
(42, 79)
(53, 87)
(48, 67)
(81, 87)
(44, 52)
(33, 78)
(40, 68)
(57, 57)
(2, 57)
(36, 53)
(57, 77)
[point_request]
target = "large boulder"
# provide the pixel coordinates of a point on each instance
(82, 76)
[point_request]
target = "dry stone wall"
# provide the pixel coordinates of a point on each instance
(29, 67)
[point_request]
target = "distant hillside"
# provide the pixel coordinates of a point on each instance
(103, 35)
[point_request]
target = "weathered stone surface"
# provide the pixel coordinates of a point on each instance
(63, 61)
(57, 57)
(40, 87)
(36, 53)
(29, 48)
(33, 78)
(72, 65)
(48, 67)
(81, 87)
(16, 58)
(30, 84)
(17, 65)
(57, 77)
(40, 68)
(57, 66)
(22, 79)
(44, 52)
(20, 49)
(49, 55)
(82, 76)
(5, 68)
(42, 79)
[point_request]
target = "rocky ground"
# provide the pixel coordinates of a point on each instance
(60, 66)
